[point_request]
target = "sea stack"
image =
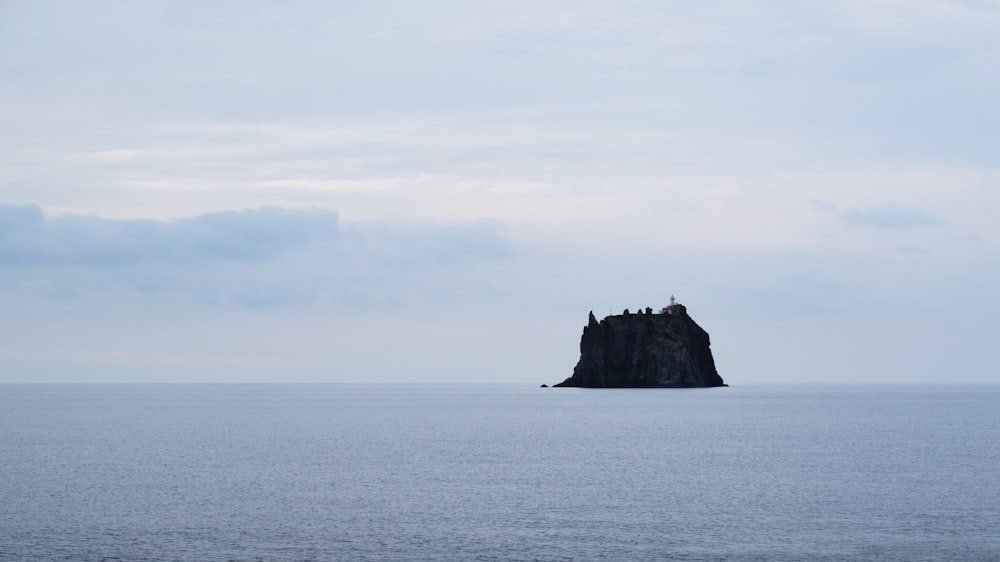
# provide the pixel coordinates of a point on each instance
(665, 349)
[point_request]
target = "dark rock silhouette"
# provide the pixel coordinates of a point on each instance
(544, 385)
(662, 350)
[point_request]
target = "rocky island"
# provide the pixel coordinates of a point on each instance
(665, 349)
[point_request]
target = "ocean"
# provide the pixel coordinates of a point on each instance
(498, 472)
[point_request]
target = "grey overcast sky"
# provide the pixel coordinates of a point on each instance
(441, 191)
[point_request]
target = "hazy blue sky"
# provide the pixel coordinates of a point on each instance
(441, 191)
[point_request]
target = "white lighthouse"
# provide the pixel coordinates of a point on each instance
(669, 309)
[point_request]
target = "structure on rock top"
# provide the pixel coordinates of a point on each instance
(665, 350)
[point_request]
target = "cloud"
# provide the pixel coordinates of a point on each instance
(891, 216)
(29, 237)
(255, 258)
(823, 206)
(803, 75)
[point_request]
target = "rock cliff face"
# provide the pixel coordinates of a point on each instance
(665, 350)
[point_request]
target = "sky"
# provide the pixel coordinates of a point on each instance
(407, 192)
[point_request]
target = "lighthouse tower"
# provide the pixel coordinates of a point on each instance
(670, 309)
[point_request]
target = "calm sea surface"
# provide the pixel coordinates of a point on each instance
(469, 472)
